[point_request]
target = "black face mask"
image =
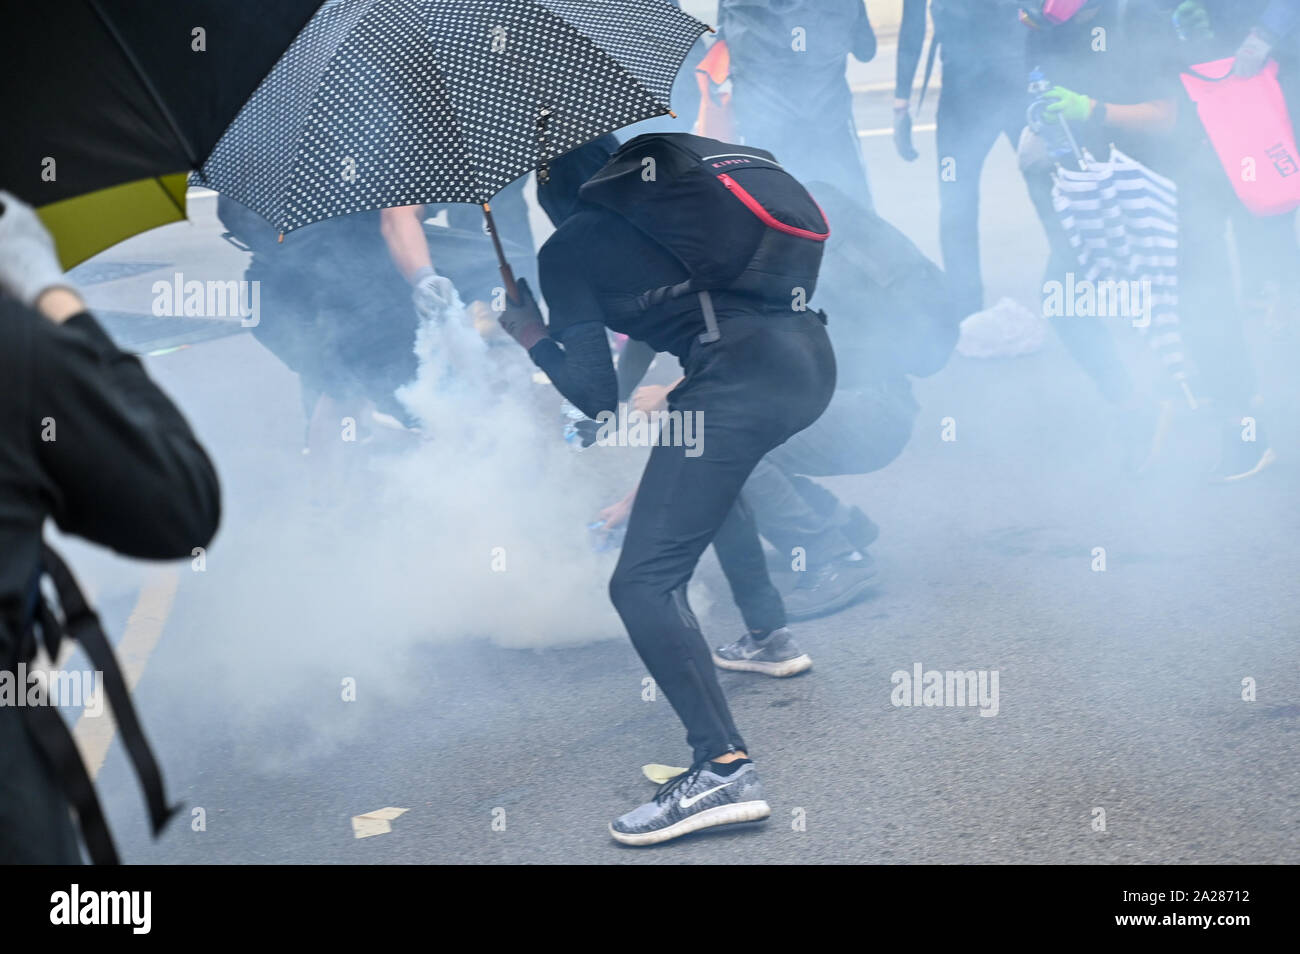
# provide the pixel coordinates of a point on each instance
(558, 197)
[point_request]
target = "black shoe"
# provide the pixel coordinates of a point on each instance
(1241, 459)
(830, 588)
(776, 654)
(699, 798)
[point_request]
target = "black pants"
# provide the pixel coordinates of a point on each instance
(768, 377)
(976, 105)
(863, 430)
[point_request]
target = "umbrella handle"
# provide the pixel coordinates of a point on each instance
(507, 275)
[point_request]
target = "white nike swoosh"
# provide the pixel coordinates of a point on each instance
(688, 802)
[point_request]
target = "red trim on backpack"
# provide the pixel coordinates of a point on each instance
(767, 218)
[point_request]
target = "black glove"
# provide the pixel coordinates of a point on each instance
(903, 133)
(522, 320)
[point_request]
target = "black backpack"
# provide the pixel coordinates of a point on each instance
(734, 218)
(896, 300)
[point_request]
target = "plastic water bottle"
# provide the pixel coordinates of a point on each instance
(1055, 133)
(572, 433)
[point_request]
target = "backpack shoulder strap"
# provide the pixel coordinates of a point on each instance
(81, 623)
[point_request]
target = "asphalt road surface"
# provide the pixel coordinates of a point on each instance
(1120, 691)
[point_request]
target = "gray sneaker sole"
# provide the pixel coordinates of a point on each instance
(732, 814)
(786, 667)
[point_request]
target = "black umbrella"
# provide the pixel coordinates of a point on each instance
(383, 103)
(101, 93)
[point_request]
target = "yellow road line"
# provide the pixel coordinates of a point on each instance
(144, 628)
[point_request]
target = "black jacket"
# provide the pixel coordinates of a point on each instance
(88, 439)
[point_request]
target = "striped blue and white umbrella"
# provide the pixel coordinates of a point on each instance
(1122, 220)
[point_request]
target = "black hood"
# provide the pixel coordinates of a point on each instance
(559, 196)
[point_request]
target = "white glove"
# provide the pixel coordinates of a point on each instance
(432, 294)
(29, 264)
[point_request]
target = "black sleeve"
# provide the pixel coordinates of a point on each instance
(582, 370)
(576, 356)
(122, 468)
(864, 37)
(911, 38)
(632, 365)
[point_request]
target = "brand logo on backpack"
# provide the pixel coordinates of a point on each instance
(730, 162)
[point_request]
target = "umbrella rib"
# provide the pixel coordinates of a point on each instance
(145, 81)
(595, 44)
(179, 206)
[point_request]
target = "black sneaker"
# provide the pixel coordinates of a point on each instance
(776, 654)
(699, 798)
(830, 588)
(1241, 459)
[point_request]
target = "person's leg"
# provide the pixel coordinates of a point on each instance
(680, 506)
(1269, 258)
(763, 381)
(862, 430)
(966, 129)
(766, 379)
(740, 554)
(1208, 307)
(1213, 332)
(788, 520)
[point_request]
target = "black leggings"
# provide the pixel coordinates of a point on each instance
(768, 377)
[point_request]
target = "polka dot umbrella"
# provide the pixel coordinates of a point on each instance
(383, 103)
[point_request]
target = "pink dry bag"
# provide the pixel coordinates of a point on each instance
(1247, 122)
(1060, 11)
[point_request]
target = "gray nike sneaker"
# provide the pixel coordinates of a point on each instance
(696, 799)
(777, 654)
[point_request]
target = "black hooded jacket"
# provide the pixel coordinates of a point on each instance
(88, 439)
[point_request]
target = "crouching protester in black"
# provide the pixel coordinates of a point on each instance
(87, 439)
(756, 372)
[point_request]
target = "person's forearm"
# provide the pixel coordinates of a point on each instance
(582, 369)
(1156, 116)
(403, 231)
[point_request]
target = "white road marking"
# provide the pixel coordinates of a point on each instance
(143, 630)
(888, 131)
